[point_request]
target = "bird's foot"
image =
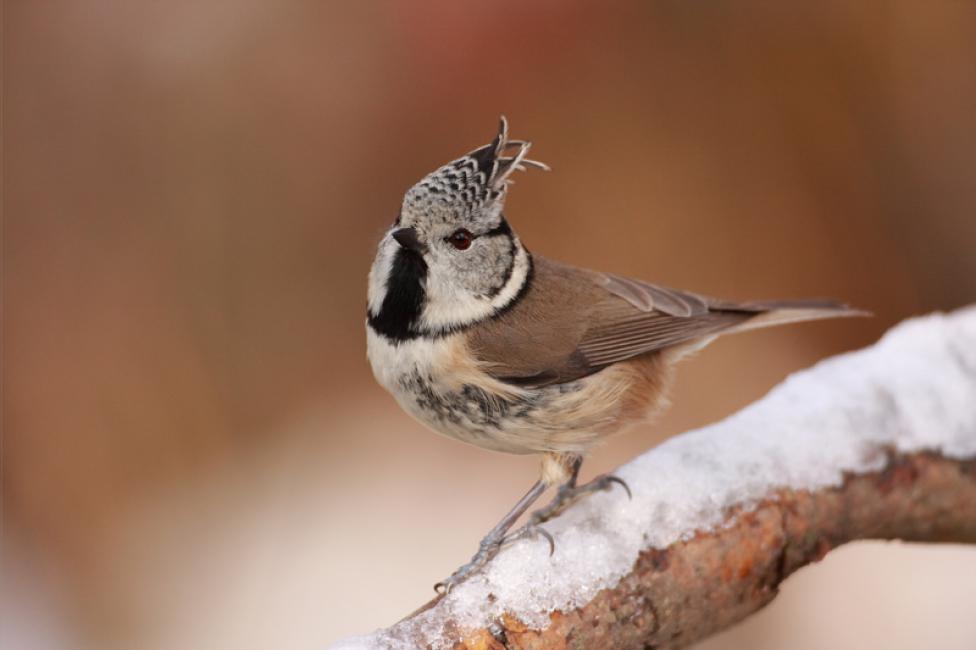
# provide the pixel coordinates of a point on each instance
(565, 497)
(487, 549)
(493, 541)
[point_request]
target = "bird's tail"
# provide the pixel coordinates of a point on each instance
(780, 312)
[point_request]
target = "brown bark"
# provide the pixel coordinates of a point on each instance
(690, 590)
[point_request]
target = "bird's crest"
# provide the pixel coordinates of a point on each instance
(497, 167)
(477, 180)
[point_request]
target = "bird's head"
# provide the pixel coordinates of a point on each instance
(451, 258)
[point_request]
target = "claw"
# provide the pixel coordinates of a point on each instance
(531, 530)
(552, 543)
(486, 551)
(443, 587)
(610, 478)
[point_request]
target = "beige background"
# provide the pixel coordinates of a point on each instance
(195, 454)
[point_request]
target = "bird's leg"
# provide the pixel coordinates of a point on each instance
(567, 494)
(492, 542)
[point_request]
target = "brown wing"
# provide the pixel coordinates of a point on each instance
(573, 322)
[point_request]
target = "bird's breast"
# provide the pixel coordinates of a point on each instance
(438, 384)
(441, 385)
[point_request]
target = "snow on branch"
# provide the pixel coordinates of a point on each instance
(874, 444)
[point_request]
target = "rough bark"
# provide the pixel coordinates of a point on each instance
(690, 590)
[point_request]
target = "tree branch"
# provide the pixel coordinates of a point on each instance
(877, 444)
(690, 590)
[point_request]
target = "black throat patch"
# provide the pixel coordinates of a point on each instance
(404, 298)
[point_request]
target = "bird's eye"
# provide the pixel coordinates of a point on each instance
(461, 239)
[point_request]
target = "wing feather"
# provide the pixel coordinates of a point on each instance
(573, 322)
(614, 342)
(649, 297)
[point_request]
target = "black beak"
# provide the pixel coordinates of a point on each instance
(407, 237)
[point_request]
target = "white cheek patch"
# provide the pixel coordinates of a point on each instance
(380, 272)
(450, 305)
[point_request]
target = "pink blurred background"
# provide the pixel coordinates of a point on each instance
(195, 453)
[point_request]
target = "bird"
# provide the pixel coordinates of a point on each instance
(492, 345)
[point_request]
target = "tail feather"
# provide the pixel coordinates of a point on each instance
(780, 312)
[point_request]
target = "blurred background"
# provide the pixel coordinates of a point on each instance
(195, 452)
